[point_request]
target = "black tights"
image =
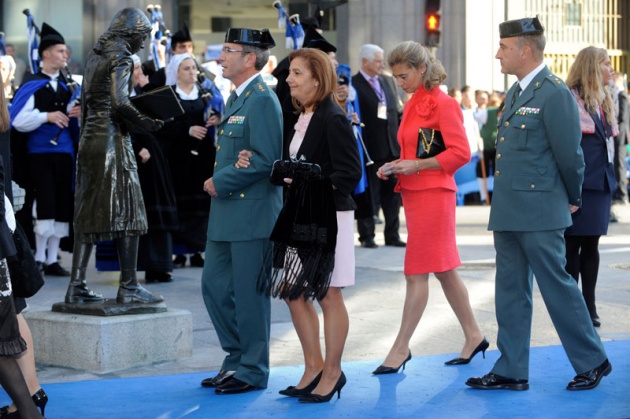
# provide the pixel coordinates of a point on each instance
(13, 383)
(583, 260)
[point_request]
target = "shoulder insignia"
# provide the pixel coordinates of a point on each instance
(261, 87)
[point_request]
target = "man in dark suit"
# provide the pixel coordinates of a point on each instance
(244, 209)
(380, 112)
(537, 185)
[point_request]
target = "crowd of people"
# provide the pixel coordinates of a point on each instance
(350, 146)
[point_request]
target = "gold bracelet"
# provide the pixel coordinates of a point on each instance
(417, 166)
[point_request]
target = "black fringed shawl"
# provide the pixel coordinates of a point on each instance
(303, 242)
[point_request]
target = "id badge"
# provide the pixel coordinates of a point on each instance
(381, 113)
(610, 148)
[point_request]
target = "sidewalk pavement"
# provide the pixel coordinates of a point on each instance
(374, 304)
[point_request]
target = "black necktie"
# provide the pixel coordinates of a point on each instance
(517, 93)
(231, 99)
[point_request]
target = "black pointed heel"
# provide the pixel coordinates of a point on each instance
(319, 398)
(482, 347)
(40, 398)
(292, 391)
(391, 370)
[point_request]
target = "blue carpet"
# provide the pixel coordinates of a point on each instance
(426, 389)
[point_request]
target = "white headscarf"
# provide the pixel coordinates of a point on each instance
(173, 67)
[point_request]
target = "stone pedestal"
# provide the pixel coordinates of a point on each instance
(105, 344)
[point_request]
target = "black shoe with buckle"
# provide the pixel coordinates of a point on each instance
(55, 269)
(179, 261)
(369, 244)
(590, 379)
(496, 382)
(396, 243)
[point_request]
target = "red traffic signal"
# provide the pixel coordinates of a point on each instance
(433, 22)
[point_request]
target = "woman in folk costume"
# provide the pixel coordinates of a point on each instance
(190, 149)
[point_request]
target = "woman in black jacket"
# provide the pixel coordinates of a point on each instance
(323, 136)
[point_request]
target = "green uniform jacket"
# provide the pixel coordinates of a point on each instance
(539, 163)
(248, 204)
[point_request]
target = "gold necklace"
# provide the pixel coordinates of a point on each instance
(426, 145)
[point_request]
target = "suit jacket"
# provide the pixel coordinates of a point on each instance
(539, 162)
(248, 204)
(379, 135)
(329, 141)
(623, 117)
(599, 174)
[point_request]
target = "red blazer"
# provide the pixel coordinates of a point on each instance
(433, 109)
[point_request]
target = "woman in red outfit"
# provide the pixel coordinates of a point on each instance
(428, 190)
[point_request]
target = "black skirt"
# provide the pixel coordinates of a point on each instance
(11, 343)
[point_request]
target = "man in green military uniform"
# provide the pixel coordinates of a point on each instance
(245, 206)
(537, 184)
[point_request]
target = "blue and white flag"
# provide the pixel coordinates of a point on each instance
(32, 44)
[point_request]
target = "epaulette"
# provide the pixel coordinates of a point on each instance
(261, 87)
(555, 80)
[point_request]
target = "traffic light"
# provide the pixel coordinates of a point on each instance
(432, 23)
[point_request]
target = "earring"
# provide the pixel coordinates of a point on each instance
(316, 84)
(423, 73)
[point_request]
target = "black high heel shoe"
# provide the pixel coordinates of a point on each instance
(40, 398)
(391, 370)
(292, 391)
(480, 348)
(318, 398)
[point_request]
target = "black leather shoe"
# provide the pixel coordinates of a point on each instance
(235, 386)
(596, 321)
(369, 244)
(323, 398)
(196, 260)
(218, 379)
(496, 382)
(590, 379)
(179, 261)
(156, 276)
(55, 269)
(396, 243)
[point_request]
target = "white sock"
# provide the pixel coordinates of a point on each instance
(40, 247)
(53, 250)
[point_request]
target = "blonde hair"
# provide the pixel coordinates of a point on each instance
(415, 56)
(585, 76)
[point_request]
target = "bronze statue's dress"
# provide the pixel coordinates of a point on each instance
(108, 198)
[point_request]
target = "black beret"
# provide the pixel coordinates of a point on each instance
(521, 27)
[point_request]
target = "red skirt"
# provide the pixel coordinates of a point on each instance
(431, 243)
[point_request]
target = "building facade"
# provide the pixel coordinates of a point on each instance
(469, 28)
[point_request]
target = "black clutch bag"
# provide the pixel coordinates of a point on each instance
(294, 169)
(430, 143)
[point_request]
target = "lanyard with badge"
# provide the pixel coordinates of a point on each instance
(381, 111)
(610, 141)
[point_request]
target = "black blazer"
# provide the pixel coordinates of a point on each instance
(329, 141)
(379, 135)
